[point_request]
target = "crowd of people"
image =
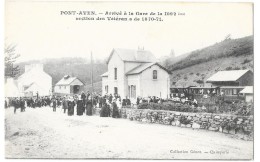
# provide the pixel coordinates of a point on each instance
(84, 103)
(110, 105)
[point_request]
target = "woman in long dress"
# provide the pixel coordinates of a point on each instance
(71, 105)
(104, 112)
(115, 112)
(89, 107)
(80, 107)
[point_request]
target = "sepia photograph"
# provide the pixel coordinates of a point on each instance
(148, 80)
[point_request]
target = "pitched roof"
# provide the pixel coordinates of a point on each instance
(133, 55)
(67, 80)
(232, 75)
(143, 67)
(248, 89)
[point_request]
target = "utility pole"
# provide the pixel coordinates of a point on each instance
(92, 88)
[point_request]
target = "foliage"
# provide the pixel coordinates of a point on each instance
(11, 70)
(78, 67)
(171, 106)
(229, 68)
(199, 81)
(246, 61)
(208, 106)
(226, 48)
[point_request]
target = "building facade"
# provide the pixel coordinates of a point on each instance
(34, 81)
(233, 81)
(69, 86)
(248, 92)
(133, 73)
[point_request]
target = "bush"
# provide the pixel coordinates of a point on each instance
(236, 68)
(199, 81)
(229, 68)
(169, 106)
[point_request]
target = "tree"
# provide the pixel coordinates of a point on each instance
(11, 70)
(227, 37)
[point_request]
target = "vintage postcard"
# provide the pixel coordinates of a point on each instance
(129, 80)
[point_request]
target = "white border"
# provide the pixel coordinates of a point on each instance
(256, 71)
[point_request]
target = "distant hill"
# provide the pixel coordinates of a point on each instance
(188, 69)
(195, 67)
(78, 67)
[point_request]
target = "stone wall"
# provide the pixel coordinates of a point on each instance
(225, 123)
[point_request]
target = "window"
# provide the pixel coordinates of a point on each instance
(115, 73)
(106, 88)
(115, 90)
(154, 74)
(132, 91)
(235, 91)
(60, 87)
(129, 91)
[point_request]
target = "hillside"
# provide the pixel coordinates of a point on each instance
(78, 67)
(197, 66)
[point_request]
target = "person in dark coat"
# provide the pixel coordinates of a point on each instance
(80, 107)
(115, 112)
(65, 104)
(124, 102)
(22, 105)
(71, 105)
(5, 103)
(105, 111)
(100, 101)
(110, 98)
(83, 97)
(89, 107)
(16, 104)
(54, 104)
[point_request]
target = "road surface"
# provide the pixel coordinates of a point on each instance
(41, 133)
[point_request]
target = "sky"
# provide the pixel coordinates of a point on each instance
(39, 30)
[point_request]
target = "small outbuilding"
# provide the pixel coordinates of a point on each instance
(248, 92)
(69, 86)
(232, 82)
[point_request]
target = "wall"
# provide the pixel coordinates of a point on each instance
(213, 122)
(104, 83)
(37, 76)
(64, 89)
(249, 97)
(159, 87)
(129, 66)
(116, 62)
(134, 80)
(247, 79)
(220, 84)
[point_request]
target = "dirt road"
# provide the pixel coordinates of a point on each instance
(41, 133)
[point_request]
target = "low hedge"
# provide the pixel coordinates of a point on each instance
(238, 109)
(168, 106)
